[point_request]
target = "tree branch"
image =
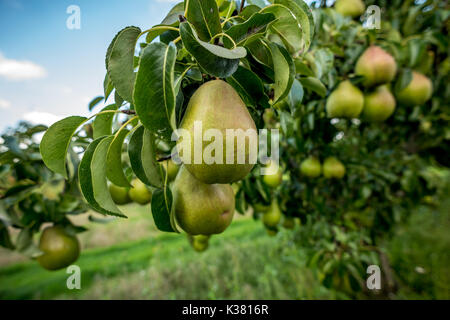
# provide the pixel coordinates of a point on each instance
(242, 5)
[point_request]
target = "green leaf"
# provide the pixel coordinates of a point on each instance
(261, 52)
(107, 86)
(249, 30)
(204, 16)
(102, 125)
(114, 171)
(314, 85)
(171, 18)
(304, 17)
(403, 79)
(296, 94)
(55, 143)
(141, 151)
(94, 102)
(155, 32)
(92, 178)
(284, 71)
(118, 99)
(154, 94)
(215, 60)
(302, 68)
(249, 87)
(120, 62)
(162, 210)
(5, 239)
(286, 27)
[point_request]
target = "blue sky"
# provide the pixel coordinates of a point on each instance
(48, 71)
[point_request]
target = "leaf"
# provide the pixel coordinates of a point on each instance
(92, 178)
(120, 62)
(162, 210)
(102, 124)
(171, 18)
(141, 151)
(302, 68)
(94, 102)
(154, 94)
(5, 239)
(114, 171)
(304, 17)
(155, 32)
(55, 143)
(249, 30)
(249, 87)
(314, 85)
(403, 79)
(118, 99)
(286, 27)
(204, 16)
(107, 86)
(284, 71)
(296, 94)
(215, 60)
(261, 52)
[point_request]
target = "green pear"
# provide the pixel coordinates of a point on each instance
(218, 106)
(260, 208)
(350, 8)
(333, 168)
(417, 92)
(272, 217)
(171, 167)
(201, 238)
(378, 105)
(119, 194)
(60, 249)
(139, 192)
(289, 223)
(273, 180)
(202, 208)
(346, 101)
(311, 167)
(376, 66)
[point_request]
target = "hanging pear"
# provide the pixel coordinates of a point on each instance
(216, 105)
(350, 8)
(346, 101)
(377, 66)
(202, 208)
(417, 92)
(378, 105)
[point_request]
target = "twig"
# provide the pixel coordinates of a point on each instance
(164, 158)
(129, 112)
(242, 5)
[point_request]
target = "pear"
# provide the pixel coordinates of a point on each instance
(377, 66)
(200, 246)
(202, 208)
(346, 101)
(218, 106)
(417, 92)
(273, 180)
(139, 192)
(350, 8)
(272, 217)
(378, 105)
(333, 168)
(119, 194)
(60, 249)
(311, 167)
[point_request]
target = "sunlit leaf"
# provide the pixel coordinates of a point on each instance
(114, 171)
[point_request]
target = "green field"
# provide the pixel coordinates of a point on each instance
(128, 259)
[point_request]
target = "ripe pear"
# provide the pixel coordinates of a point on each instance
(202, 208)
(311, 167)
(139, 192)
(60, 249)
(377, 66)
(350, 8)
(218, 106)
(333, 168)
(417, 92)
(119, 194)
(272, 217)
(346, 101)
(274, 179)
(171, 167)
(378, 105)
(200, 246)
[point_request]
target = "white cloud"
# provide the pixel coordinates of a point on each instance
(4, 104)
(38, 117)
(20, 70)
